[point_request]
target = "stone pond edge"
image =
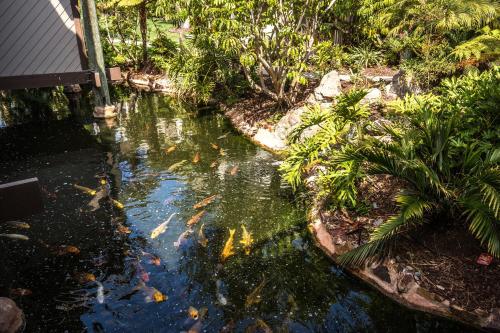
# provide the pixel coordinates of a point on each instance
(386, 277)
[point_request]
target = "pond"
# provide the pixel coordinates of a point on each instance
(98, 269)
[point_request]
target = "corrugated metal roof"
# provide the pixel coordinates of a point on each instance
(37, 37)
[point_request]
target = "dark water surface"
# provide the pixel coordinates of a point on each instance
(301, 290)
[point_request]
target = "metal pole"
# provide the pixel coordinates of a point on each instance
(96, 57)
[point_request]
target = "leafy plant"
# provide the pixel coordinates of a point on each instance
(444, 180)
(365, 56)
(344, 121)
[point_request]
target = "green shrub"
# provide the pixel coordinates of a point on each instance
(365, 56)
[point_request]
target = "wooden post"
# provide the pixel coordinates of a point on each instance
(103, 108)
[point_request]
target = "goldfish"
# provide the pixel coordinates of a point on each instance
(246, 240)
(222, 152)
(85, 189)
(193, 313)
(170, 149)
(255, 296)
(161, 228)
(234, 170)
(176, 166)
(183, 238)
(196, 158)
(18, 224)
(15, 236)
(202, 240)
(153, 259)
(205, 202)
(214, 164)
(259, 326)
(83, 278)
(196, 328)
(117, 204)
(143, 275)
(68, 249)
(228, 247)
(196, 218)
(158, 297)
(214, 146)
(100, 292)
(20, 292)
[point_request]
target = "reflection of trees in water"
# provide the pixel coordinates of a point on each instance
(17, 106)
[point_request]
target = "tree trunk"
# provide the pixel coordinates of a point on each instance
(143, 24)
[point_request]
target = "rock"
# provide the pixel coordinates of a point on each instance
(379, 78)
(163, 85)
(401, 85)
(288, 122)
(329, 86)
(345, 77)
(269, 139)
(373, 95)
(405, 280)
(382, 272)
(11, 317)
(390, 91)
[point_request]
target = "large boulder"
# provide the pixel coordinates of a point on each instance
(11, 317)
(329, 87)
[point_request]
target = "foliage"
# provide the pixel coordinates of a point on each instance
(442, 148)
(344, 121)
(365, 56)
(428, 35)
(272, 40)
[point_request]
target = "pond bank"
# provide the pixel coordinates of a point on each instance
(416, 277)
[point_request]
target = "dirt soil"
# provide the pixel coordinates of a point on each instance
(445, 258)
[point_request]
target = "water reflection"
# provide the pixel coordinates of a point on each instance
(292, 286)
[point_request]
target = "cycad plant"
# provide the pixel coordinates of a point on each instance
(445, 179)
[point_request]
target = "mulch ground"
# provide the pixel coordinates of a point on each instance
(444, 256)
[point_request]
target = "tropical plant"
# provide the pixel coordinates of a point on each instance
(444, 179)
(365, 56)
(344, 121)
(273, 40)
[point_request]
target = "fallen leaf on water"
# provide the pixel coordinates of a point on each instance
(196, 158)
(234, 170)
(83, 278)
(222, 152)
(170, 149)
(205, 202)
(228, 247)
(20, 292)
(196, 218)
(193, 313)
(68, 249)
(214, 146)
(214, 164)
(123, 229)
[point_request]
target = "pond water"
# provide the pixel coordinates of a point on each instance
(285, 284)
